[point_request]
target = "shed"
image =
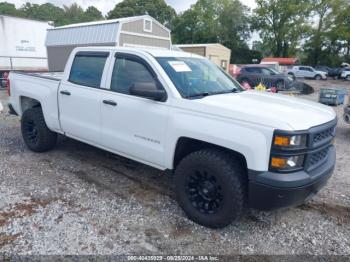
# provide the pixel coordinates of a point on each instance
(217, 53)
(137, 31)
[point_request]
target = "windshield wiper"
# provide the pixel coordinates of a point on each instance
(234, 90)
(204, 94)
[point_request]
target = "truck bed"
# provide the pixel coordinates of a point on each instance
(26, 88)
(47, 75)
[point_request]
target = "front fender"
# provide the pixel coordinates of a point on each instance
(253, 142)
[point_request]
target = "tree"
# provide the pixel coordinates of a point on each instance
(73, 14)
(281, 24)
(329, 34)
(324, 12)
(158, 9)
(341, 31)
(45, 12)
(8, 9)
(216, 21)
(91, 14)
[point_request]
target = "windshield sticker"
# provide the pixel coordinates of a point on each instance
(180, 66)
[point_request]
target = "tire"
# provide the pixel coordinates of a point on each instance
(244, 80)
(292, 75)
(348, 78)
(35, 133)
(280, 85)
(211, 188)
(318, 77)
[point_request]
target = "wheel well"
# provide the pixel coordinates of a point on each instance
(186, 146)
(27, 103)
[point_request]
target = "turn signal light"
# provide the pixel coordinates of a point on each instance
(282, 140)
(287, 163)
(278, 163)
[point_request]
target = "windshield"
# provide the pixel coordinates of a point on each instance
(274, 71)
(197, 77)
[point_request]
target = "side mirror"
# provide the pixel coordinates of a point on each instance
(148, 90)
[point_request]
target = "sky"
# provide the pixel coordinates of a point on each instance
(106, 5)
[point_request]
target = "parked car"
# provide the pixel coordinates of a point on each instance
(175, 111)
(307, 72)
(254, 75)
(322, 68)
(345, 74)
(335, 72)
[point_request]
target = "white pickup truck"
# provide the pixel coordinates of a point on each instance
(176, 111)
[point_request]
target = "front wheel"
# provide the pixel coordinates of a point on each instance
(280, 85)
(292, 75)
(35, 133)
(318, 77)
(210, 187)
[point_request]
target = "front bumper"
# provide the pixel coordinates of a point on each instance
(268, 190)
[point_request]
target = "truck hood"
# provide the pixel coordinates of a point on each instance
(274, 110)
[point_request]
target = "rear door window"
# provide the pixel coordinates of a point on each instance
(87, 68)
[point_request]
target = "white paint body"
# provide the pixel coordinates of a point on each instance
(306, 72)
(345, 74)
(148, 131)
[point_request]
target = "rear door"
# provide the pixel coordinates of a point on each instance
(130, 125)
(79, 96)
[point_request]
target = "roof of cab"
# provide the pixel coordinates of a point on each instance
(152, 51)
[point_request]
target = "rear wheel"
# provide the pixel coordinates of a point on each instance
(210, 187)
(35, 133)
(244, 80)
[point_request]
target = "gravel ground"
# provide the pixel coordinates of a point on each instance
(77, 199)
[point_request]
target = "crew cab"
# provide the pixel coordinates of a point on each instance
(227, 148)
(307, 72)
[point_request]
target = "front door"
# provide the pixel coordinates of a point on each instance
(130, 125)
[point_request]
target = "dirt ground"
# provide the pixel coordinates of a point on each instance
(77, 199)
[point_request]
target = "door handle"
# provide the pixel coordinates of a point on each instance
(110, 102)
(65, 92)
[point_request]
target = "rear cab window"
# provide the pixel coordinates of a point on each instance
(87, 68)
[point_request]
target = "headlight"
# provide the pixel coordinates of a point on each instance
(290, 141)
(287, 163)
